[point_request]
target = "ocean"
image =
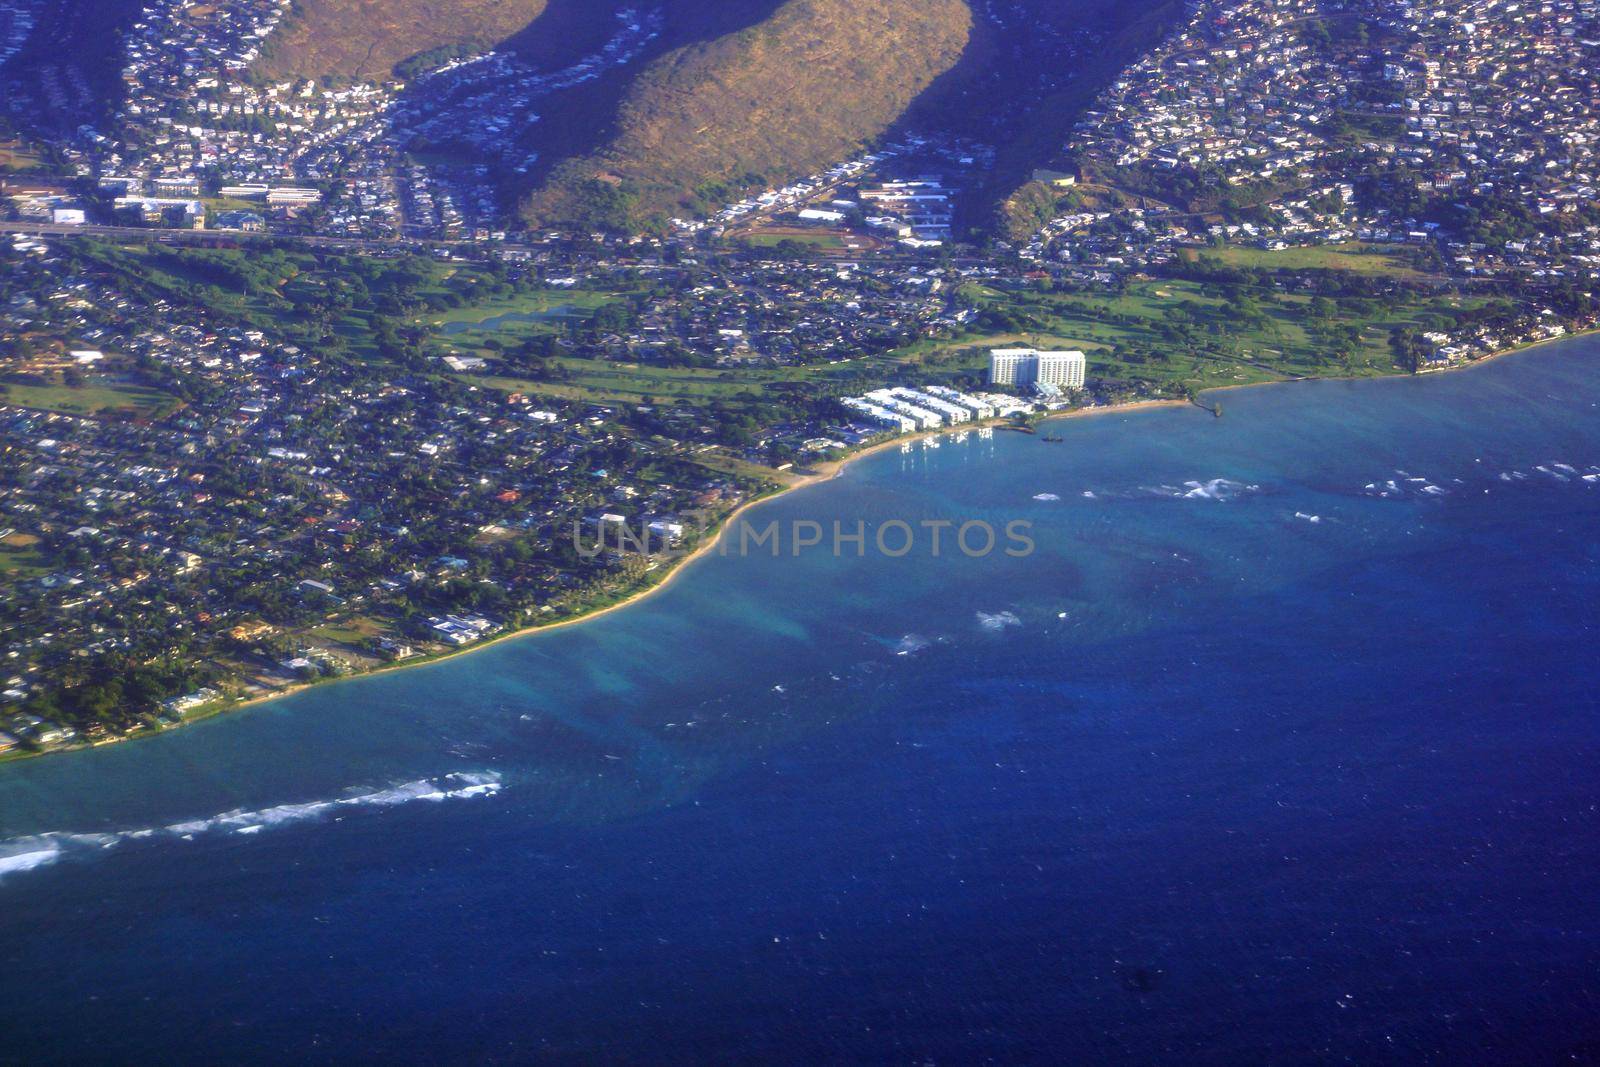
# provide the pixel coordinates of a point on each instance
(1279, 746)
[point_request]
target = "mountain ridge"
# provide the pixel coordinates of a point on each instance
(366, 39)
(809, 84)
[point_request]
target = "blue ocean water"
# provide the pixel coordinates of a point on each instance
(1281, 746)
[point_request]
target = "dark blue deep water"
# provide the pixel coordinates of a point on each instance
(1258, 758)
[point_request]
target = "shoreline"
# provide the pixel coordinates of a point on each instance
(823, 472)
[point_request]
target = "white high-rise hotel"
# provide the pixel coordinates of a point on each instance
(1029, 366)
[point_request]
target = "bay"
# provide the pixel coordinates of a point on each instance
(1280, 744)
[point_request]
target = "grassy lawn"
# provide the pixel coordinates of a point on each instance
(829, 241)
(99, 395)
(600, 382)
(19, 558)
(1156, 337)
(613, 383)
(233, 203)
(18, 158)
(264, 289)
(722, 461)
(1173, 334)
(554, 303)
(1356, 256)
(351, 631)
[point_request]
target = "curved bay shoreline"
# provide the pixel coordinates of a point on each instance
(675, 568)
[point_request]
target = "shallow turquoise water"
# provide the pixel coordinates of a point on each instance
(1255, 757)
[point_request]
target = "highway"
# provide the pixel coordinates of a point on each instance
(211, 237)
(370, 245)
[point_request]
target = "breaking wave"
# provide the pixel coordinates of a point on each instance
(911, 643)
(1405, 484)
(1215, 489)
(998, 621)
(1046, 497)
(36, 856)
(29, 853)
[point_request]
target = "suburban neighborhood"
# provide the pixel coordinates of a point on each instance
(287, 394)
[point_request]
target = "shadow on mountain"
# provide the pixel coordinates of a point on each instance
(69, 70)
(1021, 86)
(1026, 72)
(566, 31)
(578, 121)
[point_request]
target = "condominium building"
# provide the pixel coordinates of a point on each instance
(1029, 366)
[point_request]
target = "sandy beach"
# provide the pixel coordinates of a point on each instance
(675, 568)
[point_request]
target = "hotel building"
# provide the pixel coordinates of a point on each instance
(1029, 366)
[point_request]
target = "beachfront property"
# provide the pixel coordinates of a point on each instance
(1029, 366)
(460, 629)
(880, 415)
(978, 406)
(952, 414)
(921, 417)
(182, 705)
(906, 410)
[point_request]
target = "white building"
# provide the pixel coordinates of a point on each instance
(1029, 366)
(880, 414)
(979, 408)
(953, 414)
(288, 195)
(925, 419)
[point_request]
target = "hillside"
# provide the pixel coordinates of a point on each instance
(1011, 204)
(364, 39)
(728, 95)
(802, 88)
(67, 71)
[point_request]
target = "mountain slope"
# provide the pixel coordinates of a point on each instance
(364, 39)
(801, 89)
(68, 71)
(1010, 203)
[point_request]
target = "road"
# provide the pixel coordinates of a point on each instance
(360, 244)
(147, 233)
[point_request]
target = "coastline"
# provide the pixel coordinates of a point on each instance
(822, 472)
